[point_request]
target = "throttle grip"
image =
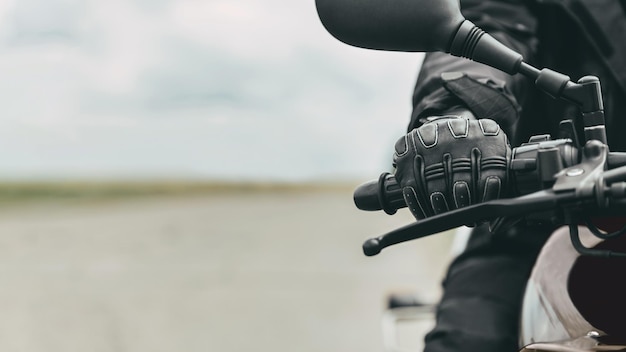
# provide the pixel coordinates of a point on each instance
(382, 194)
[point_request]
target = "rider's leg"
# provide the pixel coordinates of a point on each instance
(483, 292)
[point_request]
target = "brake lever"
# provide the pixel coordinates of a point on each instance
(534, 202)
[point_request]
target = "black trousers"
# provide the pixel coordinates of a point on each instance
(483, 291)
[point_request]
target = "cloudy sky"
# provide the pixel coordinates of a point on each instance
(213, 89)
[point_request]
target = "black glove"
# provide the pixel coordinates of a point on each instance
(451, 162)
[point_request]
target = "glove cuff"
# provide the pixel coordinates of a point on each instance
(454, 113)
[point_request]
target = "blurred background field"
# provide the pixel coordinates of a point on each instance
(178, 175)
(200, 267)
(14, 193)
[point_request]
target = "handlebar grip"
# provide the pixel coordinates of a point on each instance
(382, 194)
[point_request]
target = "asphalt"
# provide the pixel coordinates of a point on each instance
(264, 271)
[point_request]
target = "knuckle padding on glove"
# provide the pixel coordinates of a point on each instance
(428, 135)
(459, 128)
(402, 146)
(489, 127)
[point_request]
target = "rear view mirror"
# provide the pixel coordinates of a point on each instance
(414, 25)
(396, 25)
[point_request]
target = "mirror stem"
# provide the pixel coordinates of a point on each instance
(529, 71)
(473, 43)
(586, 94)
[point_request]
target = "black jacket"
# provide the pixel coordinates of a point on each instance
(574, 37)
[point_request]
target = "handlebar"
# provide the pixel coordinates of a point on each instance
(579, 183)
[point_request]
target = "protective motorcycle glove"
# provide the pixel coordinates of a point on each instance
(451, 162)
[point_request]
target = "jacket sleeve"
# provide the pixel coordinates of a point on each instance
(446, 83)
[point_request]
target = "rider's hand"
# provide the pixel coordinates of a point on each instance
(451, 162)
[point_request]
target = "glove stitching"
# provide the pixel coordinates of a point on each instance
(406, 149)
(480, 122)
(487, 183)
(419, 135)
(469, 193)
(412, 202)
(432, 202)
(461, 135)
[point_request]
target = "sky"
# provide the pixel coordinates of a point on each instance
(217, 90)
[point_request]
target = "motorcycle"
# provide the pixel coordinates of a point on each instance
(574, 298)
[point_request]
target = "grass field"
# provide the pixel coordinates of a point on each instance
(166, 266)
(36, 191)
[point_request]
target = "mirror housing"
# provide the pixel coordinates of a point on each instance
(398, 25)
(414, 26)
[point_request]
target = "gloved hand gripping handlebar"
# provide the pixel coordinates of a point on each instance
(583, 185)
(532, 167)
